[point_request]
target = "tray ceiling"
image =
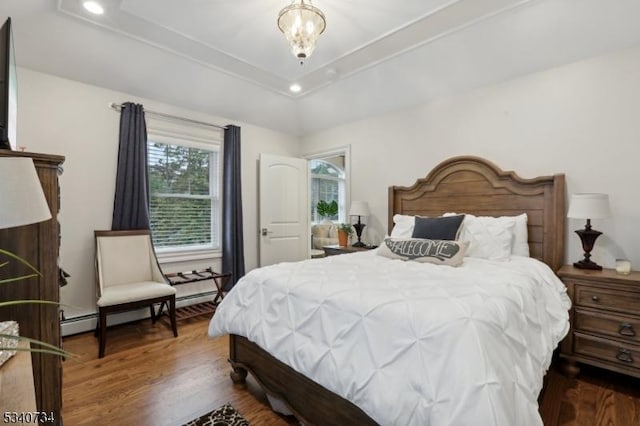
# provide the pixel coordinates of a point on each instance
(227, 57)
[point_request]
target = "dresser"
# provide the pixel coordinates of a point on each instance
(605, 320)
(39, 244)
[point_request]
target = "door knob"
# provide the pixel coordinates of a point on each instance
(265, 232)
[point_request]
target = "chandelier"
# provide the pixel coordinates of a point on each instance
(301, 23)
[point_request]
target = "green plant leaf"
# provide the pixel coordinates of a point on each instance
(35, 273)
(21, 302)
(44, 347)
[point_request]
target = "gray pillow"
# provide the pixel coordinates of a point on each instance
(437, 228)
(439, 252)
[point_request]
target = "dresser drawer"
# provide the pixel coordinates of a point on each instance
(615, 300)
(618, 326)
(623, 354)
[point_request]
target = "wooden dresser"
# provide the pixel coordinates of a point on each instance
(39, 244)
(605, 320)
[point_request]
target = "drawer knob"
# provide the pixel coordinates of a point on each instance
(595, 298)
(624, 355)
(626, 329)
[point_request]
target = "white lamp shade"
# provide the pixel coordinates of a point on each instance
(589, 206)
(22, 200)
(359, 208)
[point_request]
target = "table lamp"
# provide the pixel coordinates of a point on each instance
(588, 206)
(22, 200)
(359, 208)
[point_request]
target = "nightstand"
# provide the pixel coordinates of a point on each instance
(336, 249)
(605, 320)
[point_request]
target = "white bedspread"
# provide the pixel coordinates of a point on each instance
(409, 343)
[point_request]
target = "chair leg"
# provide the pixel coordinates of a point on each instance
(153, 314)
(103, 331)
(172, 314)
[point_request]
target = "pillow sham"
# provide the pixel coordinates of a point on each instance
(402, 226)
(520, 246)
(520, 241)
(438, 252)
(489, 237)
(437, 228)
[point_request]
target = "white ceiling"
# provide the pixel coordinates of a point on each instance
(227, 57)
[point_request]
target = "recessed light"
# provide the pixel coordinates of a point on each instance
(295, 88)
(93, 7)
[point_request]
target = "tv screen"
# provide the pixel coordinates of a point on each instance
(8, 89)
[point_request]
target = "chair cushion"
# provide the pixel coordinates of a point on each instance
(124, 259)
(125, 293)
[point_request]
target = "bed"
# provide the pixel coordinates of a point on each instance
(462, 184)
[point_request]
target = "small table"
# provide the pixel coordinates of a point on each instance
(336, 249)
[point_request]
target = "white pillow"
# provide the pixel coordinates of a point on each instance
(520, 241)
(489, 237)
(403, 226)
(520, 246)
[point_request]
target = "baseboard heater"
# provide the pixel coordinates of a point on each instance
(84, 323)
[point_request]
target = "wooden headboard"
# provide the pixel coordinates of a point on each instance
(476, 186)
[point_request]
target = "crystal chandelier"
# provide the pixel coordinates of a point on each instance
(301, 23)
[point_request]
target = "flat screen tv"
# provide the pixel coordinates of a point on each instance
(8, 89)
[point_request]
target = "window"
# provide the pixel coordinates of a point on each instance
(328, 184)
(184, 196)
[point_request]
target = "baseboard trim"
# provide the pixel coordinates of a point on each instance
(85, 323)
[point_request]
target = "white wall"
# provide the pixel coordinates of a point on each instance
(59, 116)
(582, 119)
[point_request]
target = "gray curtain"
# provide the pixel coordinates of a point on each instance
(131, 201)
(232, 235)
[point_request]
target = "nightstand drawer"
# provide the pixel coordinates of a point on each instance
(604, 323)
(615, 300)
(607, 350)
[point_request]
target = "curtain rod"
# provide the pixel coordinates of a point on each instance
(118, 107)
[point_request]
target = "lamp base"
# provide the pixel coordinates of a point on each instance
(359, 227)
(588, 237)
(587, 264)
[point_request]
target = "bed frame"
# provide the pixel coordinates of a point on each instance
(461, 184)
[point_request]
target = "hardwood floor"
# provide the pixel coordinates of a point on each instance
(147, 377)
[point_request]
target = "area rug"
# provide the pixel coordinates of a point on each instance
(223, 416)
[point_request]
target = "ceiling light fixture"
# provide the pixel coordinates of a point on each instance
(301, 23)
(295, 88)
(93, 7)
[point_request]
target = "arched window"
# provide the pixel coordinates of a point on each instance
(327, 183)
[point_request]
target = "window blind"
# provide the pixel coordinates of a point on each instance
(184, 199)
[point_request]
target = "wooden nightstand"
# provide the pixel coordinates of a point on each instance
(333, 250)
(605, 320)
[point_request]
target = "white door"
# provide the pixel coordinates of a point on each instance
(284, 209)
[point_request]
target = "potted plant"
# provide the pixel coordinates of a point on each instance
(344, 232)
(327, 210)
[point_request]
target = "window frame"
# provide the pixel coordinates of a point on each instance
(341, 181)
(344, 150)
(212, 144)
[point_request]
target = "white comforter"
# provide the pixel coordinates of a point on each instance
(409, 343)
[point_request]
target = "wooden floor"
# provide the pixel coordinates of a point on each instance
(147, 377)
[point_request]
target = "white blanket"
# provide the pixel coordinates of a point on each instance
(409, 343)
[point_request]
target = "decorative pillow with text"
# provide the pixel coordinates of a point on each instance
(438, 252)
